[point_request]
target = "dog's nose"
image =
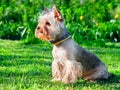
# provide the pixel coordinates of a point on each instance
(39, 29)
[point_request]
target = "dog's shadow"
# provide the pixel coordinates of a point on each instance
(114, 79)
(111, 83)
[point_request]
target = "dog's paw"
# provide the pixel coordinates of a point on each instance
(65, 81)
(90, 80)
(56, 80)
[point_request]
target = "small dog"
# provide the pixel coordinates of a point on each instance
(70, 60)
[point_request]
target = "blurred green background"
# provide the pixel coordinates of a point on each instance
(86, 20)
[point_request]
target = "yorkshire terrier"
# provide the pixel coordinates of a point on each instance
(71, 61)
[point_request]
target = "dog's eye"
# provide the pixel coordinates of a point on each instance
(47, 23)
(38, 28)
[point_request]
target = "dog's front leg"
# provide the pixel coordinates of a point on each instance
(57, 68)
(72, 71)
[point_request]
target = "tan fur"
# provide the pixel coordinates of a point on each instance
(70, 60)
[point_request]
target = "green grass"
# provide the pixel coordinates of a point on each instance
(28, 67)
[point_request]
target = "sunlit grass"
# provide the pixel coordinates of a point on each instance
(28, 67)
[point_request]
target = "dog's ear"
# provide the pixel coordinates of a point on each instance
(57, 14)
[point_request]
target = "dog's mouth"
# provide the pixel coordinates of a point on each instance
(42, 35)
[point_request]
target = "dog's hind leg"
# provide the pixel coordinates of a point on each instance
(100, 72)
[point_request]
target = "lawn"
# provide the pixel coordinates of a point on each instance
(28, 67)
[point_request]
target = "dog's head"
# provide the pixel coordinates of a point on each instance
(50, 25)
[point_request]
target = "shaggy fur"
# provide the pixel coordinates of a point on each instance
(71, 61)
